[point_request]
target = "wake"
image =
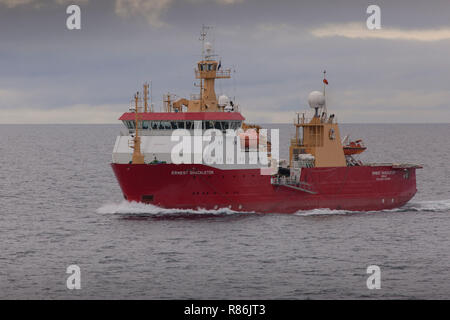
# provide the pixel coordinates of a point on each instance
(419, 206)
(135, 208)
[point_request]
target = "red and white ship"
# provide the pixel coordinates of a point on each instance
(321, 172)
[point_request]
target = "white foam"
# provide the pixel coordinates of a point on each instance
(323, 211)
(431, 206)
(426, 206)
(126, 207)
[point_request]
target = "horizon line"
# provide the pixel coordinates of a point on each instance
(254, 122)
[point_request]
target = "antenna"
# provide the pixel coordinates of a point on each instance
(325, 82)
(146, 97)
(136, 101)
(234, 83)
(138, 157)
(203, 34)
(151, 96)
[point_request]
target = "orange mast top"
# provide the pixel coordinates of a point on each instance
(138, 157)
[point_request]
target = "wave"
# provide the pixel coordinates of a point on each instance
(419, 206)
(322, 211)
(427, 206)
(135, 208)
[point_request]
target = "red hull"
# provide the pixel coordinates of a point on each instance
(359, 188)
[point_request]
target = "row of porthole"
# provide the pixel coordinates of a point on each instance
(213, 193)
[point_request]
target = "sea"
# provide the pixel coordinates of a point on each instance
(60, 206)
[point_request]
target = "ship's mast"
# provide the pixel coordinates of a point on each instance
(325, 82)
(138, 157)
(151, 97)
(145, 97)
(207, 71)
(203, 35)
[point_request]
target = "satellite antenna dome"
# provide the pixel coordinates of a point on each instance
(208, 47)
(223, 101)
(316, 99)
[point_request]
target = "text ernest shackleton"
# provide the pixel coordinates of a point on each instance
(232, 309)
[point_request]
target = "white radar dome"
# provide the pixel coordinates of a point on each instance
(208, 47)
(223, 101)
(316, 99)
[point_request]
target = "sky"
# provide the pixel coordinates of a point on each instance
(277, 51)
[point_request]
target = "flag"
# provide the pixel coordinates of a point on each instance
(325, 81)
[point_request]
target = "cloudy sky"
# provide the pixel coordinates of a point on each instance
(278, 49)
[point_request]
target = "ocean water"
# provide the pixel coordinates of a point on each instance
(61, 205)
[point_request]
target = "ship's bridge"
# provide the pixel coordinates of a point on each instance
(164, 122)
(156, 143)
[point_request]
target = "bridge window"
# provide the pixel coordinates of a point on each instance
(189, 125)
(197, 125)
(166, 125)
(180, 124)
(208, 125)
(234, 125)
(218, 125)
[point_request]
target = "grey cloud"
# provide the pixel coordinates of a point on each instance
(38, 3)
(44, 67)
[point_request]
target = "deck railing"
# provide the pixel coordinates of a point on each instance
(218, 74)
(292, 183)
(306, 121)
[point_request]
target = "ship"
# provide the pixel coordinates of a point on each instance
(322, 171)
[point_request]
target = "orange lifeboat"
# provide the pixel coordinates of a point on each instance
(249, 139)
(354, 147)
